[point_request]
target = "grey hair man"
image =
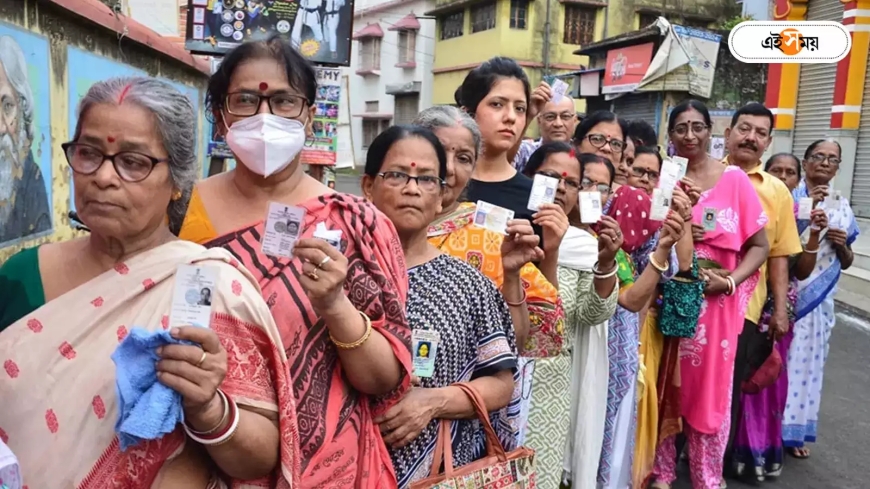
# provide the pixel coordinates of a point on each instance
(24, 206)
(556, 122)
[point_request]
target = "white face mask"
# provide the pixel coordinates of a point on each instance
(266, 143)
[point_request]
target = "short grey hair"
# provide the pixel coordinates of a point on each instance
(450, 116)
(176, 124)
(14, 64)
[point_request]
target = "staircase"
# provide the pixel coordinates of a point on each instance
(854, 287)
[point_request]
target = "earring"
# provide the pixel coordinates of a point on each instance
(176, 195)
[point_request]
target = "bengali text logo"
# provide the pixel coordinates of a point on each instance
(789, 42)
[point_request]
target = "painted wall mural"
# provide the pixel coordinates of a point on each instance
(25, 136)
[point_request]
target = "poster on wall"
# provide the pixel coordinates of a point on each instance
(625, 68)
(322, 148)
(319, 29)
(25, 137)
(703, 51)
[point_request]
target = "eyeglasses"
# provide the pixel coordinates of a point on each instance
(131, 166)
(587, 184)
(552, 116)
(746, 129)
(600, 140)
(397, 179)
(683, 129)
(572, 184)
(819, 158)
(643, 172)
(246, 104)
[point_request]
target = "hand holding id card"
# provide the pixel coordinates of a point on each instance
(543, 192)
(282, 230)
(492, 217)
(590, 207)
(191, 299)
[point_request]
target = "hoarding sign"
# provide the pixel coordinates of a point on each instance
(626, 68)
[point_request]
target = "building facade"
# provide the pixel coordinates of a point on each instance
(390, 77)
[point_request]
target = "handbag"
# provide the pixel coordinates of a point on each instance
(497, 469)
(765, 376)
(681, 304)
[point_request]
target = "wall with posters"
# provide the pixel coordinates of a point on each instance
(321, 149)
(625, 68)
(321, 29)
(48, 59)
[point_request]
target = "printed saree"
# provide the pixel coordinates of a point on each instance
(340, 444)
(60, 373)
(455, 235)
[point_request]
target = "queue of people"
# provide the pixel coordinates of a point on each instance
(611, 347)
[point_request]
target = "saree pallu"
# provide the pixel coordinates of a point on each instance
(60, 384)
(340, 444)
(651, 349)
(455, 235)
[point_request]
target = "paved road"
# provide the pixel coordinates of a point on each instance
(844, 429)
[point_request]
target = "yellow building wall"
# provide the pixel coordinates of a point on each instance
(57, 43)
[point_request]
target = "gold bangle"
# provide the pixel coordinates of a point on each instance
(359, 342)
(658, 266)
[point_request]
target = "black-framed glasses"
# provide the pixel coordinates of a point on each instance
(131, 166)
(587, 184)
(600, 140)
(697, 128)
(643, 172)
(428, 183)
(572, 184)
(819, 158)
(246, 104)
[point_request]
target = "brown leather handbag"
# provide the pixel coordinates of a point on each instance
(514, 470)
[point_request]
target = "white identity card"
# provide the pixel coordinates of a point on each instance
(805, 207)
(670, 176)
(683, 164)
(710, 216)
(283, 227)
(661, 204)
(590, 207)
(424, 347)
(191, 300)
(492, 217)
(559, 89)
(543, 192)
(331, 236)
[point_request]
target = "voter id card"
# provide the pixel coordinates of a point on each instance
(590, 207)
(559, 89)
(283, 227)
(683, 163)
(492, 217)
(805, 207)
(709, 218)
(661, 204)
(191, 300)
(543, 191)
(331, 236)
(424, 347)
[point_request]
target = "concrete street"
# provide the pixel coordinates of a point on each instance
(838, 460)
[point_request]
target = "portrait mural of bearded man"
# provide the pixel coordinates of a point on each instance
(25, 207)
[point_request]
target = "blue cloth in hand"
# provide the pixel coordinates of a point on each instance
(147, 409)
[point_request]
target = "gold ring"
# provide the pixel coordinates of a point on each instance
(313, 275)
(201, 359)
(324, 261)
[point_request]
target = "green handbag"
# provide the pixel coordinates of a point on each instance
(681, 304)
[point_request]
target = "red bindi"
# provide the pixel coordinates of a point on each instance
(413, 164)
(264, 86)
(110, 139)
(564, 174)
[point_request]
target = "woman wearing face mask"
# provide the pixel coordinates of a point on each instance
(590, 300)
(340, 311)
(405, 167)
(815, 305)
(534, 302)
(758, 447)
(696, 376)
(496, 94)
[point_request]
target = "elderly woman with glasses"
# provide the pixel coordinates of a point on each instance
(64, 307)
(340, 307)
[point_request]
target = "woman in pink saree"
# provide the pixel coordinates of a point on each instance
(65, 307)
(731, 248)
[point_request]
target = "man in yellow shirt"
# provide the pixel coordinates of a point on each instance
(746, 140)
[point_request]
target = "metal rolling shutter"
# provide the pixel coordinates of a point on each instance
(815, 86)
(861, 178)
(637, 106)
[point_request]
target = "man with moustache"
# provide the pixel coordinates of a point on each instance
(746, 140)
(556, 121)
(24, 206)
